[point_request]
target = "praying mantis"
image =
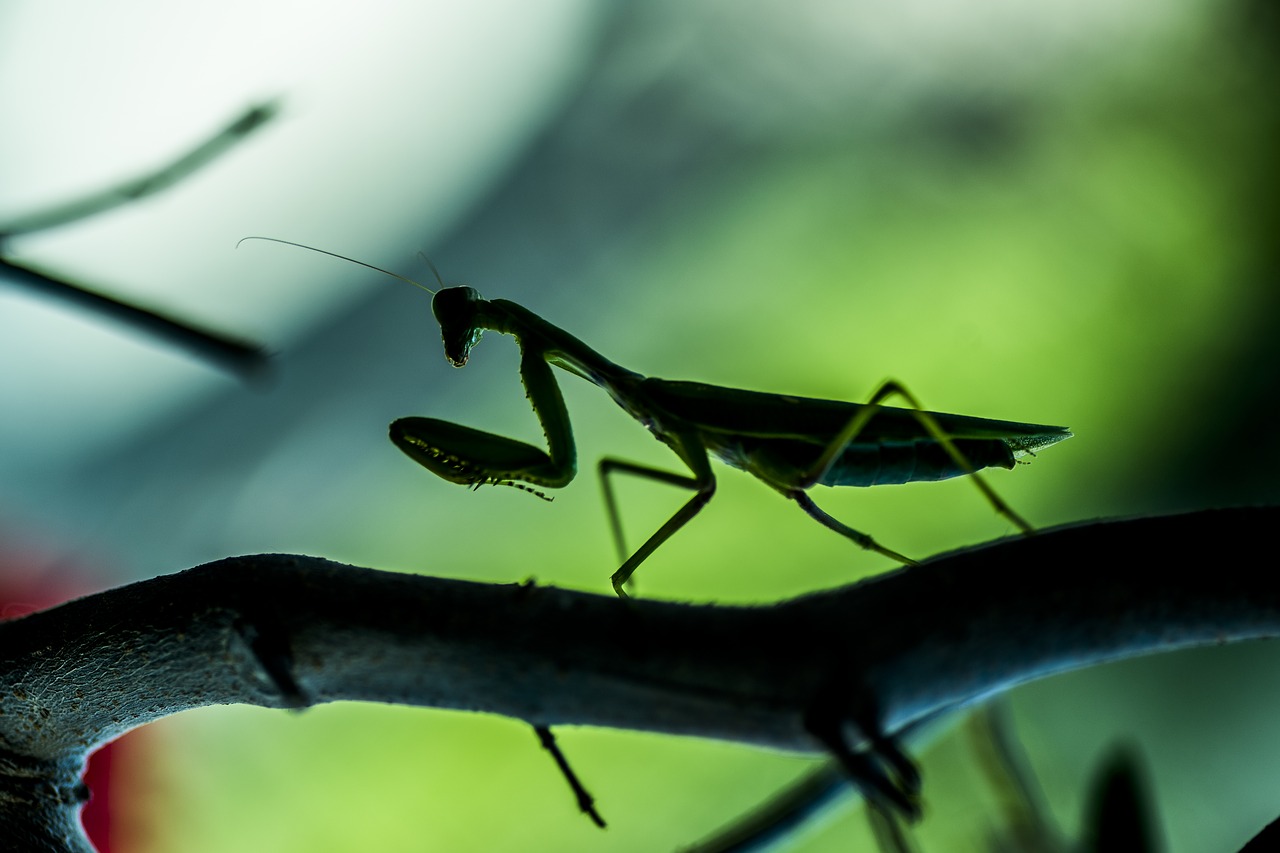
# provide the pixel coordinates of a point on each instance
(789, 443)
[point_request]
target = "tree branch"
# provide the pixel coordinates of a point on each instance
(225, 351)
(287, 631)
(149, 184)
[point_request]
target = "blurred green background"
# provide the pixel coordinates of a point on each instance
(1059, 213)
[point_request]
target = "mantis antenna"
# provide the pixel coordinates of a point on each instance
(354, 261)
(434, 271)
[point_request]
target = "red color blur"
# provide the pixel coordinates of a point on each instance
(28, 584)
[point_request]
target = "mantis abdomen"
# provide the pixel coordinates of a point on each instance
(779, 461)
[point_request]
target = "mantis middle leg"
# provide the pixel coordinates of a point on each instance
(702, 483)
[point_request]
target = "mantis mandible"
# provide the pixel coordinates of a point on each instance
(789, 443)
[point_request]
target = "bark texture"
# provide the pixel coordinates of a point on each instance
(289, 631)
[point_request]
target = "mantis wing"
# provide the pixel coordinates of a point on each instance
(761, 415)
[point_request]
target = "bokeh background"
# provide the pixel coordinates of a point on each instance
(1059, 212)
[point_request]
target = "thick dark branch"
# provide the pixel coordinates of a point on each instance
(283, 631)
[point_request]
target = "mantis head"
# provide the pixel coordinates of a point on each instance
(456, 309)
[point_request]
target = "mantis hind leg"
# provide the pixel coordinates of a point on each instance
(827, 520)
(859, 422)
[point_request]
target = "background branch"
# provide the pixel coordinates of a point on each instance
(232, 354)
(227, 352)
(287, 631)
(142, 186)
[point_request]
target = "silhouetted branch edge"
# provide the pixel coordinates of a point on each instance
(289, 631)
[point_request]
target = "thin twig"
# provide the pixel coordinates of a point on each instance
(227, 352)
(235, 355)
(148, 184)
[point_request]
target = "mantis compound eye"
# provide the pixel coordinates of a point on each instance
(455, 309)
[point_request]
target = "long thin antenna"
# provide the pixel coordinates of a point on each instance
(434, 271)
(352, 260)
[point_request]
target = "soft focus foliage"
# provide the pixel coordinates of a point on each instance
(1058, 213)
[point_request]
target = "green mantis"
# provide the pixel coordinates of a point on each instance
(789, 443)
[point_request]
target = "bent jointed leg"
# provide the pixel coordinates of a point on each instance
(702, 482)
(586, 803)
(926, 419)
(882, 772)
(609, 466)
(857, 536)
